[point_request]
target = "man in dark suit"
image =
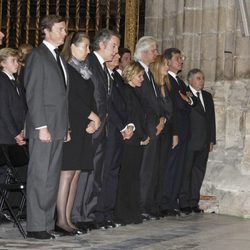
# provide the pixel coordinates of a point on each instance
(175, 165)
(105, 47)
(118, 130)
(201, 142)
(45, 80)
(145, 53)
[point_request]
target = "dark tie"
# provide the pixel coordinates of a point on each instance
(199, 99)
(181, 84)
(14, 83)
(108, 77)
(151, 78)
(60, 66)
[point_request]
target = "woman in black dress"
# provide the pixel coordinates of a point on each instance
(128, 197)
(169, 135)
(78, 153)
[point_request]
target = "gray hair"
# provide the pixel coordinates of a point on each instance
(143, 44)
(104, 35)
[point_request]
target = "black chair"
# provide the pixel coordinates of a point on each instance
(14, 183)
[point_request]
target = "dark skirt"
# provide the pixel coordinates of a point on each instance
(78, 153)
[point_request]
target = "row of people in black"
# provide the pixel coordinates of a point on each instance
(109, 148)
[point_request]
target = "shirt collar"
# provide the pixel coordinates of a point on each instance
(172, 74)
(194, 91)
(100, 59)
(11, 77)
(51, 47)
(144, 66)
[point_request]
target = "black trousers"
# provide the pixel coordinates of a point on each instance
(149, 176)
(173, 176)
(194, 172)
(112, 163)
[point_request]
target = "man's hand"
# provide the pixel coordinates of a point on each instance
(67, 137)
(20, 139)
(44, 135)
(91, 128)
(186, 98)
(145, 142)
(175, 141)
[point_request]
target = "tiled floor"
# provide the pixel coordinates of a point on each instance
(207, 231)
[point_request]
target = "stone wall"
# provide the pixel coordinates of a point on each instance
(208, 32)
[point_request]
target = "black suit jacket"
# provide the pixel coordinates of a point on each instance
(12, 110)
(117, 107)
(202, 123)
(151, 104)
(100, 82)
(182, 109)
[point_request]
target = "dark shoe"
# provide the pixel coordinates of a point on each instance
(82, 225)
(91, 225)
(40, 235)
(170, 212)
(145, 217)
(186, 210)
(101, 225)
(79, 231)
(64, 232)
(197, 210)
(112, 224)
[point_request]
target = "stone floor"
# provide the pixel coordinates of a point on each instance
(206, 231)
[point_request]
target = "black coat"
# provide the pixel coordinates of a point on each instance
(78, 153)
(202, 123)
(12, 110)
(136, 115)
(151, 104)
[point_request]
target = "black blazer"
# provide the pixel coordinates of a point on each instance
(117, 108)
(101, 86)
(12, 110)
(202, 123)
(151, 104)
(136, 115)
(182, 109)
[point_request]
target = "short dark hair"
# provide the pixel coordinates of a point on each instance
(193, 72)
(48, 22)
(168, 53)
(122, 51)
(104, 35)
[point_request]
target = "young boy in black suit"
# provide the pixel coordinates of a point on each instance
(12, 101)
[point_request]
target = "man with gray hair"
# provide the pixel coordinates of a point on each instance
(105, 47)
(146, 53)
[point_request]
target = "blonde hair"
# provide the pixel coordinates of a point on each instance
(155, 68)
(24, 50)
(5, 53)
(131, 70)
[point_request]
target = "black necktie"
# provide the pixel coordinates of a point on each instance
(60, 65)
(181, 84)
(108, 77)
(14, 83)
(152, 81)
(199, 99)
